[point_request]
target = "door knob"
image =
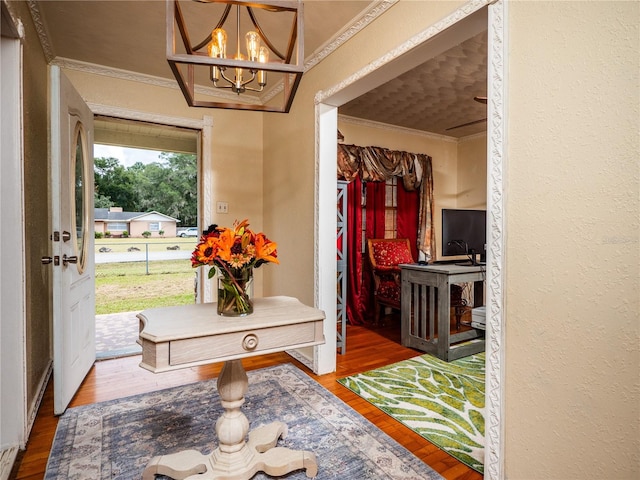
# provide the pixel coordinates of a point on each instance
(66, 260)
(66, 236)
(47, 260)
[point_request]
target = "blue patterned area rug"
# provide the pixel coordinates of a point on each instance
(442, 401)
(116, 439)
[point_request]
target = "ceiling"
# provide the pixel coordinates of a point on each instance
(129, 36)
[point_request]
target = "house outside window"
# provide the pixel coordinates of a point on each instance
(117, 227)
(154, 226)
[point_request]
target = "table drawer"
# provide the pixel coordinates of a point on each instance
(242, 343)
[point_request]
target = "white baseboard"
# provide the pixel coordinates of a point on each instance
(298, 355)
(7, 458)
(35, 404)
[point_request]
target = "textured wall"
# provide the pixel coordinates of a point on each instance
(36, 195)
(472, 172)
(572, 392)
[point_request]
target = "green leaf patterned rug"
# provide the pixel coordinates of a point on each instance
(443, 402)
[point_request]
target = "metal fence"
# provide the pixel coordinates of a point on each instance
(125, 251)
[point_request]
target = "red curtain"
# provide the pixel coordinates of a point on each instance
(375, 209)
(360, 308)
(407, 217)
(357, 292)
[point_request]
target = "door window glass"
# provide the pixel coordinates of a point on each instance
(80, 196)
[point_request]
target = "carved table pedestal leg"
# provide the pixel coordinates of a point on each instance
(235, 458)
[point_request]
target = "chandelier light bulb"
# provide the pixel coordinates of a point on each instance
(190, 58)
(213, 50)
(219, 42)
(253, 45)
(263, 57)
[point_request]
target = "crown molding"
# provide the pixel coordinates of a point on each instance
(11, 24)
(394, 128)
(41, 29)
(120, 74)
(357, 24)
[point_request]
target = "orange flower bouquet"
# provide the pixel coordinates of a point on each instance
(234, 253)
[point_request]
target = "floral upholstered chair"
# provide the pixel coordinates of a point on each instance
(385, 255)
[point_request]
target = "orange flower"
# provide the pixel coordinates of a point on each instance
(225, 242)
(205, 252)
(233, 249)
(266, 250)
(239, 227)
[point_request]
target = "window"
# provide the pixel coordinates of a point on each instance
(391, 208)
(390, 213)
(117, 227)
(154, 226)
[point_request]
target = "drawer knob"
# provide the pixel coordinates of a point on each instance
(250, 342)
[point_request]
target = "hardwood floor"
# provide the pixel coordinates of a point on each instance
(366, 349)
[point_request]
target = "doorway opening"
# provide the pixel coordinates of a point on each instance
(374, 141)
(328, 102)
(145, 216)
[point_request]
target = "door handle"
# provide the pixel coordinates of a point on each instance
(47, 260)
(66, 236)
(66, 260)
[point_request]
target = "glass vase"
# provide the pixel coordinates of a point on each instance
(235, 294)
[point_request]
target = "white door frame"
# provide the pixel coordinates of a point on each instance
(327, 103)
(205, 167)
(13, 414)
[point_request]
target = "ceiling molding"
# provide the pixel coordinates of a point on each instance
(11, 26)
(352, 28)
(41, 30)
(120, 74)
(394, 128)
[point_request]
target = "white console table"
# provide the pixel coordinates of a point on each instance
(184, 336)
(418, 323)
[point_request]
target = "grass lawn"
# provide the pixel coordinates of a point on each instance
(125, 287)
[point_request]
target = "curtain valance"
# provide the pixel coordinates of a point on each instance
(377, 164)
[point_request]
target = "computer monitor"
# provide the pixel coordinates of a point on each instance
(464, 232)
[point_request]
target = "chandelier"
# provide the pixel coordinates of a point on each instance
(246, 71)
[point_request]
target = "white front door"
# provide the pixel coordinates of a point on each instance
(71, 152)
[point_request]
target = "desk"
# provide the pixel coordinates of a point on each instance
(420, 286)
(189, 335)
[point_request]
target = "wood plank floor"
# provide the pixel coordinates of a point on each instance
(117, 378)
